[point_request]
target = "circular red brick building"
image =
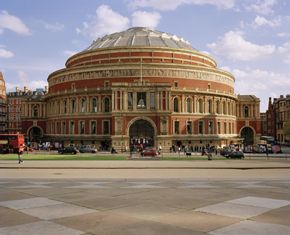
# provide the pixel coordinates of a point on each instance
(141, 86)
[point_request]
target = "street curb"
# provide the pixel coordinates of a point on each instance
(145, 168)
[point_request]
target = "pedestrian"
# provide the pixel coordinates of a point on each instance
(159, 149)
(20, 152)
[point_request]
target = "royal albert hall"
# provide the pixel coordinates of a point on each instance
(141, 86)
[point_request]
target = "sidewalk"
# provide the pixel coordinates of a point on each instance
(151, 164)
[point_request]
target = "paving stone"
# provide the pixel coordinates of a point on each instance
(90, 185)
(29, 203)
(10, 217)
(253, 228)
(57, 211)
(110, 224)
(144, 184)
(261, 202)
(12, 195)
(233, 210)
(276, 216)
(199, 221)
(41, 227)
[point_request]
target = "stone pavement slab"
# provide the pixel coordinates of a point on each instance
(261, 202)
(197, 221)
(57, 211)
(11, 217)
(233, 210)
(29, 203)
(276, 216)
(253, 228)
(37, 228)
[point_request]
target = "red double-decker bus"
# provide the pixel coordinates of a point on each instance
(9, 143)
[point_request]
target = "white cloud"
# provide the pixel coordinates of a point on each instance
(233, 46)
(262, 21)
(69, 52)
(54, 27)
(5, 53)
(166, 5)
(264, 7)
(145, 19)
(12, 23)
(261, 83)
(283, 35)
(284, 50)
(105, 21)
(25, 80)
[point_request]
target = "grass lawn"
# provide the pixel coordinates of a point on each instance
(81, 157)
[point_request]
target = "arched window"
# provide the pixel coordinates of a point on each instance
(35, 111)
(83, 105)
(175, 105)
(218, 107)
(73, 105)
(188, 105)
(224, 107)
(200, 106)
(64, 106)
(246, 111)
(94, 105)
(106, 105)
(210, 106)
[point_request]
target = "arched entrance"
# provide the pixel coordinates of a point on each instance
(141, 134)
(35, 134)
(247, 134)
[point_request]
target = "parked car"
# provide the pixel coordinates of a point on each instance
(150, 152)
(69, 149)
(87, 149)
(235, 154)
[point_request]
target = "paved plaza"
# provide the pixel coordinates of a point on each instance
(145, 197)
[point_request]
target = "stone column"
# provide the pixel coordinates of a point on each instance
(113, 100)
(148, 100)
(125, 100)
(157, 99)
(134, 101)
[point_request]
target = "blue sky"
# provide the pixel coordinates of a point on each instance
(249, 38)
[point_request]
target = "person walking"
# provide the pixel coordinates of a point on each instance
(20, 153)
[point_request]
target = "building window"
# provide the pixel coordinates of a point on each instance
(224, 107)
(189, 127)
(152, 100)
(83, 105)
(106, 127)
(219, 127)
(200, 106)
(106, 103)
(130, 100)
(210, 127)
(218, 107)
(209, 106)
(246, 111)
(35, 111)
(72, 127)
(82, 127)
(94, 105)
(175, 105)
(63, 128)
(73, 106)
(188, 105)
(93, 127)
(176, 127)
(64, 107)
(106, 83)
(200, 127)
(141, 100)
(230, 128)
(175, 84)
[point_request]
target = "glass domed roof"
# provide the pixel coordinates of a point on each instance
(140, 36)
